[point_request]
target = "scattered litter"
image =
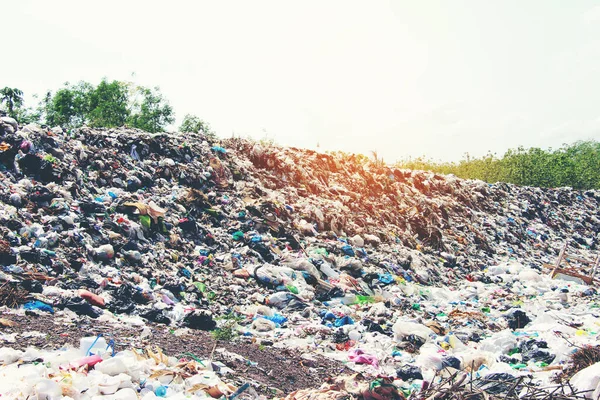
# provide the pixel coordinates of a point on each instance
(411, 280)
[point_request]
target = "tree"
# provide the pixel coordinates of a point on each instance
(192, 123)
(28, 115)
(13, 97)
(108, 105)
(70, 105)
(574, 165)
(150, 111)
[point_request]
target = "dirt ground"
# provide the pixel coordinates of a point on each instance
(269, 370)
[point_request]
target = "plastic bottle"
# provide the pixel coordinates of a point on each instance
(90, 361)
(348, 299)
(328, 270)
(92, 345)
(161, 391)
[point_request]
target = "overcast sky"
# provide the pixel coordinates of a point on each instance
(403, 78)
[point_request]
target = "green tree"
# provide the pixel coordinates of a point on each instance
(70, 105)
(109, 105)
(575, 165)
(28, 115)
(13, 98)
(585, 164)
(150, 111)
(193, 123)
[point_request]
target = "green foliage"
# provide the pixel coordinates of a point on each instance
(230, 316)
(575, 165)
(192, 123)
(27, 115)
(150, 111)
(70, 106)
(224, 333)
(109, 105)
(226, 330)
(14, 106)
(13, 98)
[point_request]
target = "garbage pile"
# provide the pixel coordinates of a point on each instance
(394, 273)
(89, 372)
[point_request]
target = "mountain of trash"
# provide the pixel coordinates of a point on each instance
(410, 279)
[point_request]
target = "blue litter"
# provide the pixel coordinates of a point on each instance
(186, 273)
(277, 318)
(161, 391)
(345, 320)
(38, 305)
(386, 278)
(347, 249)
(328, 316)
(243, 388)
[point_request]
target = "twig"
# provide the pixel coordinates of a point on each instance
(212, 352)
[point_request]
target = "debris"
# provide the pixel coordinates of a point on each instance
(328, 255)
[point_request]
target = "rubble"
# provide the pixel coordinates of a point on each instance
(397, 275)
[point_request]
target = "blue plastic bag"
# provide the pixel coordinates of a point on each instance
(386, 278)
(38, 305)
(345, 320)
(348, 250)
(219, 149)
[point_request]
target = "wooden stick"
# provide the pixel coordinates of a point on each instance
(559, 259)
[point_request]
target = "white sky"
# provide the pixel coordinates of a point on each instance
(438, 78)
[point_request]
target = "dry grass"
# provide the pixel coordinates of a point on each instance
(461, 385)
(581, 359)
(12, 295)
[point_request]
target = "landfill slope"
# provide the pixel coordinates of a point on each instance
(385, 272)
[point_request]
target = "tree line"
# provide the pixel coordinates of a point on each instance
(576, 165)
(105, 105)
